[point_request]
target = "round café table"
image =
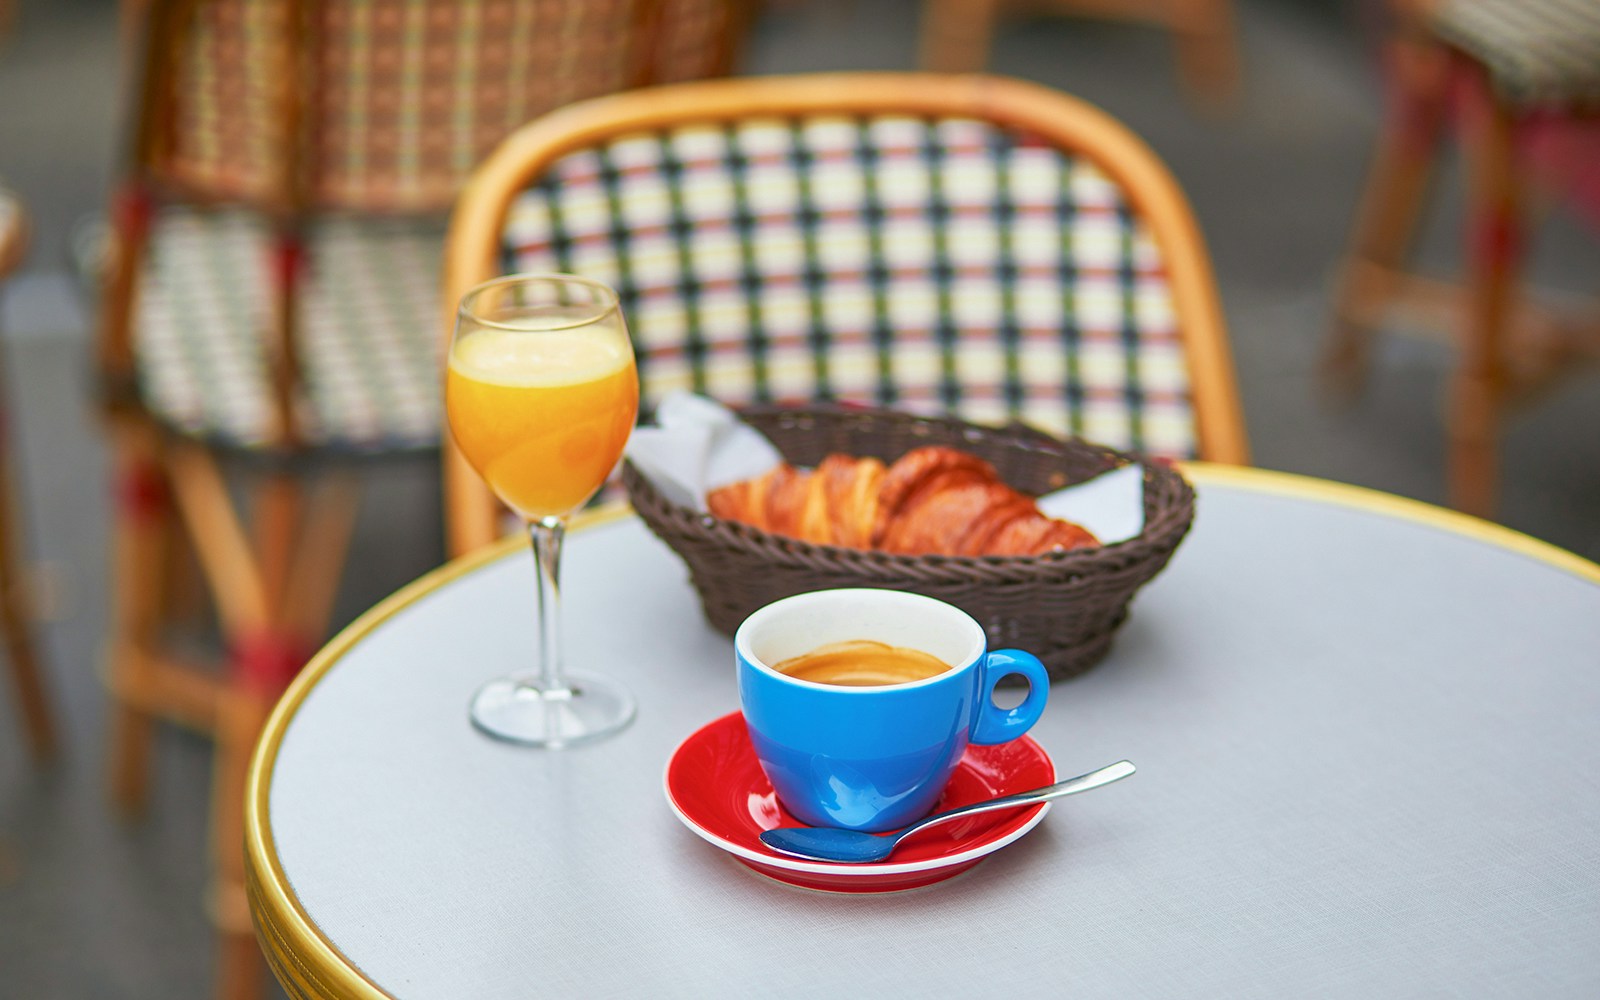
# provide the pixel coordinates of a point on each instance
(1367, 733)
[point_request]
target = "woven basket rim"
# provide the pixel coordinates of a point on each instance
(891, 566)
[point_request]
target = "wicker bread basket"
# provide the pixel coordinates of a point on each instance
(1063, 607)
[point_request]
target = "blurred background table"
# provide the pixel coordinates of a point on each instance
(1364, 729)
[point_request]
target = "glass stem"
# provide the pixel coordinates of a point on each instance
(546, 534)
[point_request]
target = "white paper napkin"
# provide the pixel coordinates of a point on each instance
(700, 445)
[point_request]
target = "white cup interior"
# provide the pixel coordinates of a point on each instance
(799, 624)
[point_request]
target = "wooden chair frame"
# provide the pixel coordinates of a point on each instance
(1509, 347)
(472, 247)
(272, 571)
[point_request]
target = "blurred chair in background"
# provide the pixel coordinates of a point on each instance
(957, 34)
(270, 316)
(15, 620)
(960, 244)
(1521, 81)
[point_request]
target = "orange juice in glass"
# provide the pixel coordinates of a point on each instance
(541, 395)
(543, 418)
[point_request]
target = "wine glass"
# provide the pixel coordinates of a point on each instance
(541, 394)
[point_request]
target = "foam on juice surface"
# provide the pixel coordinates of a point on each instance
(540, 358)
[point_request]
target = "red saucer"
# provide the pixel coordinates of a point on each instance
(716, 787)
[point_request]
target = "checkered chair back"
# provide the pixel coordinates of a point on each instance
(931, 264)
(950, 243)
(401, 98)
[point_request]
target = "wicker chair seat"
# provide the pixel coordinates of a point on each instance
(942, 266)
(1538, 52)
(368, 340)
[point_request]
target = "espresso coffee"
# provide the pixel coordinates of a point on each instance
(862, 663)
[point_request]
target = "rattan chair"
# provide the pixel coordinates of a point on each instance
(1504, 72)
(270, 317)
(960, 244)
(957, 34)
(16, 623)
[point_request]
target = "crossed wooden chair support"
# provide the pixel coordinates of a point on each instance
(272, 583)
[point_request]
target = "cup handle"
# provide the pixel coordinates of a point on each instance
(999, 725)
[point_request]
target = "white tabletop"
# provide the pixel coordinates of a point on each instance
(1368, 766)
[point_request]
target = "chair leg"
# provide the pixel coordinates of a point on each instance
(279, 509)
(288, 544)
(17, 624)
(956, 35)
(1494, 238)
(321, 556)
(244, 608)
(241, 967)
(1208, 52)
(184, 601)
(266, 590)
(31, 699)
(1390, 209)
(140, 524)
(263, 664)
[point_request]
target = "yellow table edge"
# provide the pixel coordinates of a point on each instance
(310, 965)
(307, 964)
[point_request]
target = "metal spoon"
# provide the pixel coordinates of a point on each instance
(820, 843)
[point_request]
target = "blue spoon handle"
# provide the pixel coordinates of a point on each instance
(856, 847)
(1082, 783)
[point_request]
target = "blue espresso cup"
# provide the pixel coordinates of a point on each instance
(873, 758)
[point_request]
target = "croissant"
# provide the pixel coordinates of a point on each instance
(930, 501)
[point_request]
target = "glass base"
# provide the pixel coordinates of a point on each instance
(589, 708)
